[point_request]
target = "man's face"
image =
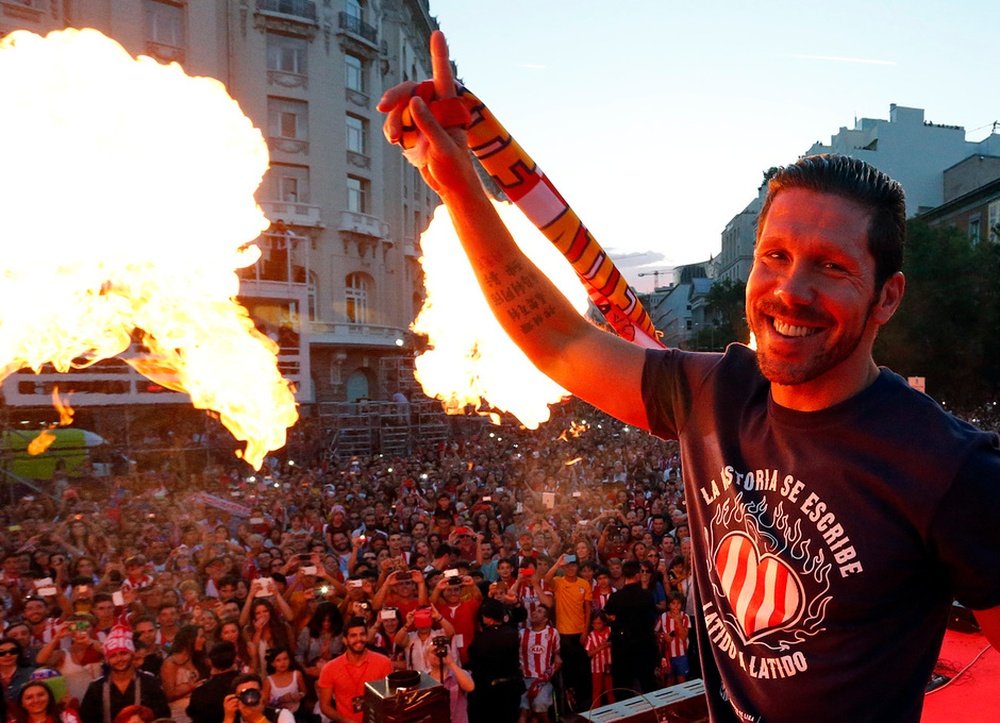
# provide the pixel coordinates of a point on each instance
(146, 632)
(120, 660)
(811, 291)
(167, 617)
(35, 611)
(355, 638)
(341, 543)
(20, 633)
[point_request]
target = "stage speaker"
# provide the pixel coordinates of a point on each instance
(406, 697)
(681, 703)
(962, 620)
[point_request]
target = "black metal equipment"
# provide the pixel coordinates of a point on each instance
(406, 697)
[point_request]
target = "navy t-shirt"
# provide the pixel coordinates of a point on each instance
(828, 545)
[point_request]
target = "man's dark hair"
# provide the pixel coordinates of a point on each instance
(857, 181)
(355, 621)
(228, 580)
(246, 678)
(100, 597)
(630, 568)
(222, 655)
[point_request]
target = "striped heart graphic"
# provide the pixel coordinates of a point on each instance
(764, 593)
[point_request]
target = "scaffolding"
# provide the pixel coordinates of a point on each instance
(365, 428)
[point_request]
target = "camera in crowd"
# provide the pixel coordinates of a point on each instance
(250, 696)
(440, 643)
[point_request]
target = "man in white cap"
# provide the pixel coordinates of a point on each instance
(124, 684)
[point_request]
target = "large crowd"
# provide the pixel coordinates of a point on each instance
(492, 564)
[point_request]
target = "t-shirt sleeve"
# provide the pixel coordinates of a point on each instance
(966, 531)
(327, 676)
(658, 374)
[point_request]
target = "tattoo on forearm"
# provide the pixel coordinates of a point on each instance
(514, 292)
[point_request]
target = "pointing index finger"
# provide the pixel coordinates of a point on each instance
(444, 81)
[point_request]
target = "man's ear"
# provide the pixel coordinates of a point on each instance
(889, 298)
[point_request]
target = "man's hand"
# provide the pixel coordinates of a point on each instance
(446, 162)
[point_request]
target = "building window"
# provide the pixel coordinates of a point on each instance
(312, 305)
(165, 23)
(353, 9)
(993, 215)
(356, 298)
(974, 233)
(288, 118)
(286, 54)
(357, 194)
(289, 183)
(357, 134)
(354, 69)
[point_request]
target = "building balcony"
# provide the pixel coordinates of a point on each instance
(357, 36)
(293, 214)
(346, 334)
(363, 224)
(164, 52)
(302, 10)
(357, 27)
(293, 17)
(411, 249)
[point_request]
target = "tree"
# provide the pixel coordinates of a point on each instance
(946, 328)
(726, 312)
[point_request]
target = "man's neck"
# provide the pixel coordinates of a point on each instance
(355, 658)
(122, 678)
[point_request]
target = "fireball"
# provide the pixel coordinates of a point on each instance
(126, 193)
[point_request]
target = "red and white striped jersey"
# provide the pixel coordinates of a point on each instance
(600, 599)
(538, 651)
(601, 662)
(675, 647)
(530, 596)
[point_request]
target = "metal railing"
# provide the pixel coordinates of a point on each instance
(357, 26)
(297, 8)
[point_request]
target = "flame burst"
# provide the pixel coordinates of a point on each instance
(471, 358)
(126, 193)
(45, 438)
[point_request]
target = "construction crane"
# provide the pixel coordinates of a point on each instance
(656, 275)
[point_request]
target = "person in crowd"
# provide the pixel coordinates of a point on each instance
(494, 662)
(632, 613)
(418, 633)
(447, 599)
(284, 686)
(246, 703)
(124, 684)
(320, 641)
(183, 669)
(135, 714)
(442, 667)
(672, 629)
(206, 704)
(341, 683)
(540, 661)
(573, 606)
(598, 647)
(13, 674)
(79, 663)
(36, 703)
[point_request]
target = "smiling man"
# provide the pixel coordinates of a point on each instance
(834, 512)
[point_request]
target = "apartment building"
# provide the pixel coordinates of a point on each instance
(338, 282)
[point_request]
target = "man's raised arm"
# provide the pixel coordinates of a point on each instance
(596, 366)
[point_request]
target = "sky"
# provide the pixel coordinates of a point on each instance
(656, 119)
